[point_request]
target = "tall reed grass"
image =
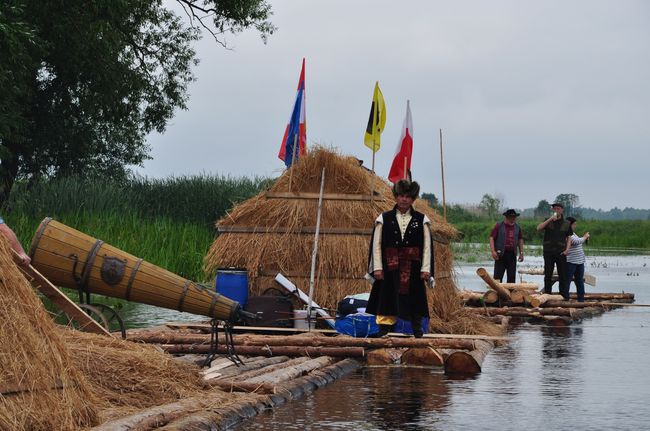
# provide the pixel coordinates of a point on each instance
(169, 222)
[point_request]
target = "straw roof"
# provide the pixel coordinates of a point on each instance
(274, 231)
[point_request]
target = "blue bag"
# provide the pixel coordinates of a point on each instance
(360, 325)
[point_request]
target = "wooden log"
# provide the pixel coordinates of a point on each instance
(522, 311)
(340, 352)
(269, 369)
(470, 297)
(383, 356)
(495, 285)
(291, 372)
(422, 356)
(574, 304)
(557, 320)
(522, 285)
(536, 300)
(468, 363)
(490, 297)
(169, 337)
(251, 366)
(605, 296)
(518, 296)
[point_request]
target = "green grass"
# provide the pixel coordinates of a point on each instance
(633, 235)
(169, 223)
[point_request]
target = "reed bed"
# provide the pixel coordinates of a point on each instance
(40, 386)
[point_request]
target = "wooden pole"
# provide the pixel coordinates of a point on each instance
(374, 145)
(503, 293)
(442, 172)
(314, 252)
(293, 158)
(405, 171)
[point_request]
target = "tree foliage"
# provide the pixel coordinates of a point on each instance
(571, 204)
(87, 81)
(543, 209)
(490, 205)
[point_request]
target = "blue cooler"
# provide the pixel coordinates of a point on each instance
(233, 284)
(404, 326)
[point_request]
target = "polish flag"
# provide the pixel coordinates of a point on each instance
(401, 167)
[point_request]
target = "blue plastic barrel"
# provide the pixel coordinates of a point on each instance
(233, 283)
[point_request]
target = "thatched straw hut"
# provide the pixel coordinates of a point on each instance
(274, 231)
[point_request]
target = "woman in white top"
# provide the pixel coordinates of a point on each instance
(575, 258)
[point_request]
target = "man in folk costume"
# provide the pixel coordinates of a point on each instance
(401, 262)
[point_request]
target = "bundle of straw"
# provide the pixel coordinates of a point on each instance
(123, 373)
(40, 387)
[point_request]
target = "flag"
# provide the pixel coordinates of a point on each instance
(376, 121)
(401, 167)
(296, 131)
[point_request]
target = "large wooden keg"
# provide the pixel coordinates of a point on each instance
(72, 259)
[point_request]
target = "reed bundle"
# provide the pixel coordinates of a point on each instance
(122, 373)
(266, 234)
(40, 386)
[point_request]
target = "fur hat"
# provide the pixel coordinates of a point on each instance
(406, 187)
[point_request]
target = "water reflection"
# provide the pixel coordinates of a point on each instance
(561, 375)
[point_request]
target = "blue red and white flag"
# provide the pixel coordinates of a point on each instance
(296, 131)
(401, 167)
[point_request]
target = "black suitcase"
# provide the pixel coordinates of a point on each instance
(272, 310)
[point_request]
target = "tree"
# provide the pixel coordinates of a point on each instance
(490, 205)
(571, 204)
(90, 80)
(430, 198)
(543, 209)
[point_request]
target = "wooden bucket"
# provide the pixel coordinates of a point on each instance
(72, 259)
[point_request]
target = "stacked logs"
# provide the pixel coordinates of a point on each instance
(432, 350)
(521, 301)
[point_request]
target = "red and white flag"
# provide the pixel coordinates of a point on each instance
(401, 167)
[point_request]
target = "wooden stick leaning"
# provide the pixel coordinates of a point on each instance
(315, 250)
(61, 300)
(442, 173)
(503, 293)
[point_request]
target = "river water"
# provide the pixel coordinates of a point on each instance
(593, 375)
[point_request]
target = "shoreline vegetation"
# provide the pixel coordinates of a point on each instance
(170, 222)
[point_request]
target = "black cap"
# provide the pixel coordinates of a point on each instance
(571, 220)
(557, 204)
(511, 212)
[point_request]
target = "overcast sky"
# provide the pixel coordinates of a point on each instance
(534, 99)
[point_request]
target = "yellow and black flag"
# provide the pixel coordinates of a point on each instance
(376, 121)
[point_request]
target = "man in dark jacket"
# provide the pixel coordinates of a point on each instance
(401, 262)
(556, 230)
(505, 238)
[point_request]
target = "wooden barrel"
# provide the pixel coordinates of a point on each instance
(72, 259)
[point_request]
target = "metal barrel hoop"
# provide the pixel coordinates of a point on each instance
(88, 266)
(129, 285)
(186, 287)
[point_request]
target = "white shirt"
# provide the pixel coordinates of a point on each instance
(403, 221)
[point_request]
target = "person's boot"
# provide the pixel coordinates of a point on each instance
(416, 324)
(384, 330)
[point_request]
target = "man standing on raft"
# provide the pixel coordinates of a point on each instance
(401, 262)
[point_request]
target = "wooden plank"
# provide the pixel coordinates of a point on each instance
(302, 230)
(326, 196)
(64, 303)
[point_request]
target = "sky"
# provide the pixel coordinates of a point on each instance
(534, 99)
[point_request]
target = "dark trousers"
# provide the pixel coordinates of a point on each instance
(577, 271)
(550, 261)
(507, 262)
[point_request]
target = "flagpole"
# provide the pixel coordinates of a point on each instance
(374, 145)
(442, 172)
(315, 250)
(293, 159)
(405, 173)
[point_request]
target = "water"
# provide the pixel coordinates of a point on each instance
(590, 376)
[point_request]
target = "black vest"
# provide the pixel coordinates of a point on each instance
(413, 237)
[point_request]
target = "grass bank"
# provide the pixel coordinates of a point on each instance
(168, 222)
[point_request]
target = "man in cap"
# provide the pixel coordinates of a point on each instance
(401, 262)
(505, 238)
(556, 231)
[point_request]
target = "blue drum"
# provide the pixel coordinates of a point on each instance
(233, 284)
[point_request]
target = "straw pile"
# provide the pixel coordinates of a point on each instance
(40, 388)
(270, 239)
(123, 373)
